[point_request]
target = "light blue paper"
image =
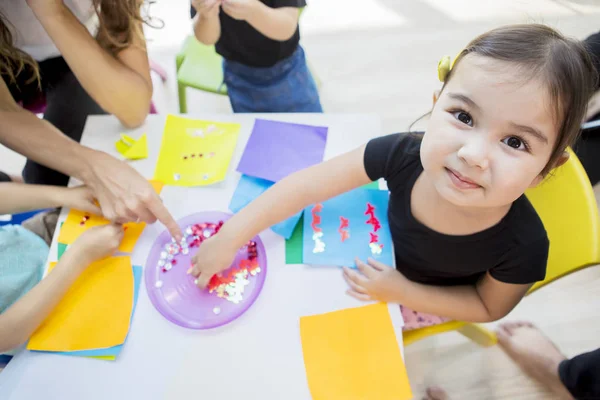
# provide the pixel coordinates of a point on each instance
(115, 350)
(352, 206)
(248, 189)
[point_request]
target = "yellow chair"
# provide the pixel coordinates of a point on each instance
(566, 204)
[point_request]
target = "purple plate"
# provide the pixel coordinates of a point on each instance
(174, 293)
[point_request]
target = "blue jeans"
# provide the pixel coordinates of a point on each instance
(286, 87)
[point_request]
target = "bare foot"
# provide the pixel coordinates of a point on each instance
(436, 393)
(534, 353)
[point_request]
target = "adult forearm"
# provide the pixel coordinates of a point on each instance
(118, 89)
(40, 141)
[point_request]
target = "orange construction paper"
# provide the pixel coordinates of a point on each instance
(75, 225)
(95, 313)
(353, 354)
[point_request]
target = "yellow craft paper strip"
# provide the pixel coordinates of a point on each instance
(353, 354)
(95, 313)
(186, 137)
(72, 228)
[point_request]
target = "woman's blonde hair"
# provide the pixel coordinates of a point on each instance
(120, 24)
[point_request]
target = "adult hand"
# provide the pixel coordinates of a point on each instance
(124, 195)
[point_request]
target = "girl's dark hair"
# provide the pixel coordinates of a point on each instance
(563, 64)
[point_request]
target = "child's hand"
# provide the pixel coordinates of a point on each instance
(98, 242)
(80, 198)
(213, 256)
(376, 281)
(207, 8)
(239, 9)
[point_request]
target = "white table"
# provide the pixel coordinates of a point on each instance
(160, 360)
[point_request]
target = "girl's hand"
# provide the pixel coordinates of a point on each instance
(240, 9)
(214, 255)
(207, 8)
(376, 281)
(80, 198)
(98, 242)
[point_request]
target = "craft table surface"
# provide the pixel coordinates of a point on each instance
(257, 356)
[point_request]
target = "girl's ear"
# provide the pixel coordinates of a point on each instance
(436, 96)
(564, 157)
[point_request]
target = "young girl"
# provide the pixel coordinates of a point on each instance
(468, 244)
(264, 66)
(25, 301)
(90, 56)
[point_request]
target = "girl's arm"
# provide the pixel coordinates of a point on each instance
(207, 26)
(19, 197)
(284, 199)
(21, 319)
(120, 84)
(275, 23)
(487, 301)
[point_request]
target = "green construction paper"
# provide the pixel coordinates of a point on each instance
(61, 250)
(293, 245)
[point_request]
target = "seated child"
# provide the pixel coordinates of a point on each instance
(26, 299)
(264, 66)
(467, 242)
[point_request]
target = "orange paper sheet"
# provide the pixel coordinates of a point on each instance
(353, 354)
(75, 225)
(95, 313)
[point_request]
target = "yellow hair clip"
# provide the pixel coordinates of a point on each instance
(445, 66)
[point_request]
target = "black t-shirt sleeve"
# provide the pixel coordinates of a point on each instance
(388, 156)
(524, 265)
(289, 3)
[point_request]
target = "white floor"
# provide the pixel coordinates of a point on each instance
(380, 56)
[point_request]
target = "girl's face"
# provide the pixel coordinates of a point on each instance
(490, 134)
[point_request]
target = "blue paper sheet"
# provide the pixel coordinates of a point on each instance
(329, 240)
(248, 189)
(111, 351)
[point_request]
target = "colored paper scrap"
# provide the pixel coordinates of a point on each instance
(94, 313)
(293, 245)
(248, 189)
(195, 152)
(277, 149)
(78, 222)
(353, 354)
(366, 230)
(111, 353)
(132, 149)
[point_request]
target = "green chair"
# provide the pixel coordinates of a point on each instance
(200, 67)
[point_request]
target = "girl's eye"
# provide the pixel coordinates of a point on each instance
(515, 143)
(463, 117)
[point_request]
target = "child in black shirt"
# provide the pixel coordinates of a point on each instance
(264, 66)
(467, 242)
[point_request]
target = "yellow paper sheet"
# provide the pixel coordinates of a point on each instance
(132, 149)
(353, 354)
(195, 152)
(95, 312)
(73, 227)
